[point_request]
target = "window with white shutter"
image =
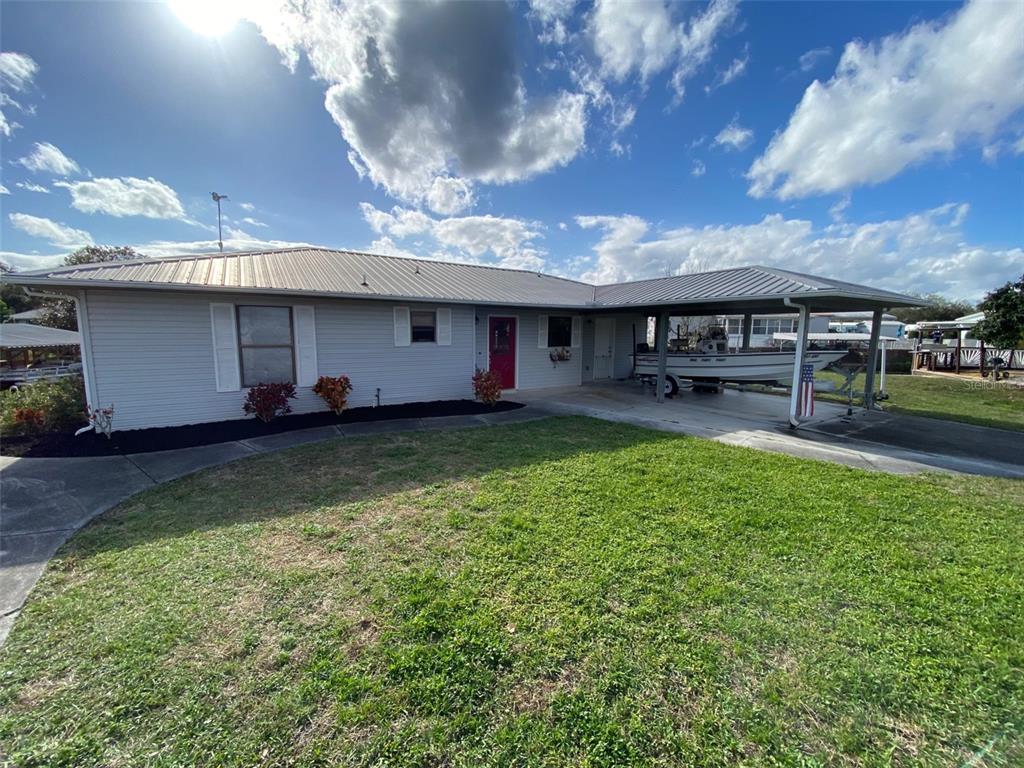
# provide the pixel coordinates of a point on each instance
(225, 347)
(542, 331)
(577, 330)
(444, 327)
(403, 329)
(305, 346)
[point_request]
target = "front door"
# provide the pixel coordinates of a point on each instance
(501, 349)
(604, 347)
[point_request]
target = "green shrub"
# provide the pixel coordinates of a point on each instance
(43, 406)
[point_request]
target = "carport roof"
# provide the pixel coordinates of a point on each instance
(351, 274)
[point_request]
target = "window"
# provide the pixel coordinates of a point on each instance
(733, 325)
(265, 345)
(759, 327)
(559, 331)
(424, 326)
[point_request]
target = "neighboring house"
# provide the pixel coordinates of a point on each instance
(28, 316)
(763, 328)
(860, 322)
(178, 341)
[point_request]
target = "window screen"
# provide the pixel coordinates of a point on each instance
(424, 326)
(559, 331)
(265, 343)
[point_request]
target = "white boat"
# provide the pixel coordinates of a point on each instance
(713, 362)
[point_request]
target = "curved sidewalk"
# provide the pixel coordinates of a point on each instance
(44, 501)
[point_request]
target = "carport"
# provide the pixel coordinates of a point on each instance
(755, 290)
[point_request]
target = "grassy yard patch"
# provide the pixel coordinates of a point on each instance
(971, 401)
(564, 592)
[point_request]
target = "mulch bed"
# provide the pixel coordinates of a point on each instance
(55, 444)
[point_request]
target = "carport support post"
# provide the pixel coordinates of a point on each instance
(869, 375)
(798, 361)
(748, 320)
(661, 339)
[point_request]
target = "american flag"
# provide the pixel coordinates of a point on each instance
(807, 390)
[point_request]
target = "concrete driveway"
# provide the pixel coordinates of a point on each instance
(876, 441)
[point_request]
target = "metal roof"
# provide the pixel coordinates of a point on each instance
(741, 283)
(326, 272)
(30, 336)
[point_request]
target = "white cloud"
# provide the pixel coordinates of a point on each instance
(643, 39)
(17, 71)
(899, 102)
(810, 59)
(428, 90)
(47, 157)
(923, 252)
(125, 196)
(30, 187)
(4, 190)
(734, 71)
(734, 136)
(838, 210)
(509, 242)
(449, 195)
(552, 15)
(58, 235)
(253, 222)
(247, 207)
(699, 169)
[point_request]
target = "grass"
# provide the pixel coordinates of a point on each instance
(564, 592)
(972, 401)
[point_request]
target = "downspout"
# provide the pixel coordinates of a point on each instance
(798, 359)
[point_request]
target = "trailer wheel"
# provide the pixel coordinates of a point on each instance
(671, 386)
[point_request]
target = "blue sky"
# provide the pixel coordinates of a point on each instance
(878, 142)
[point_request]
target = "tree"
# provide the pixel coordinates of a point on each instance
(942, 309)
(13, 298)
(60, 313)
(1003, 325)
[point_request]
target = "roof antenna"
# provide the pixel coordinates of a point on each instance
(220, 235)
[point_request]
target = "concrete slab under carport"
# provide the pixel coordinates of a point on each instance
(759, 420)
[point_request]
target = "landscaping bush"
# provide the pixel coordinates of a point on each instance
(43, 406)
(268, 401)
(486, 387)
(334, 391)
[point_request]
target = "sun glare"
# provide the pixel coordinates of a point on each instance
(208, 17)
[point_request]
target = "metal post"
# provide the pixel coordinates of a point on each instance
(798, 361)
(881, 376)
(220, 232)
(959, 344)
(869, 374)
(748, 320)
(981, 357)
(661, 339)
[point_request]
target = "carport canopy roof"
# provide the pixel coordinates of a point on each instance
(28, 336)
(312, 271)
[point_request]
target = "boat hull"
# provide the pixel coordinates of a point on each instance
(765, 367)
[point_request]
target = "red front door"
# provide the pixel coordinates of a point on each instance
(501, 349)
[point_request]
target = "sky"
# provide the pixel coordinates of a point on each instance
(880, 143)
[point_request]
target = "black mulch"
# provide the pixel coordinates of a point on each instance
(56, 444)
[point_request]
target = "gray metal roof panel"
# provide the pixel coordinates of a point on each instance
(322, 271)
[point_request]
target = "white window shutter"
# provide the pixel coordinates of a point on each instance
(542, 331)
(304, 322)
(577, 330)
(225, 347)
(444, 327)
(403, 331)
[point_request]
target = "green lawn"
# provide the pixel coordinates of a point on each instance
(975, 402)
(564, 592)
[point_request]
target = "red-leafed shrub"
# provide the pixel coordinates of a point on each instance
(269, 400)
(334, 391)
(487, 386)
(30, 418)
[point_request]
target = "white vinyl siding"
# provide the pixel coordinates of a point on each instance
(153, 355)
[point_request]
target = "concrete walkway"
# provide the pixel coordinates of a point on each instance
(44, 501)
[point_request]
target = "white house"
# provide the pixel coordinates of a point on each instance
(179, 340)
